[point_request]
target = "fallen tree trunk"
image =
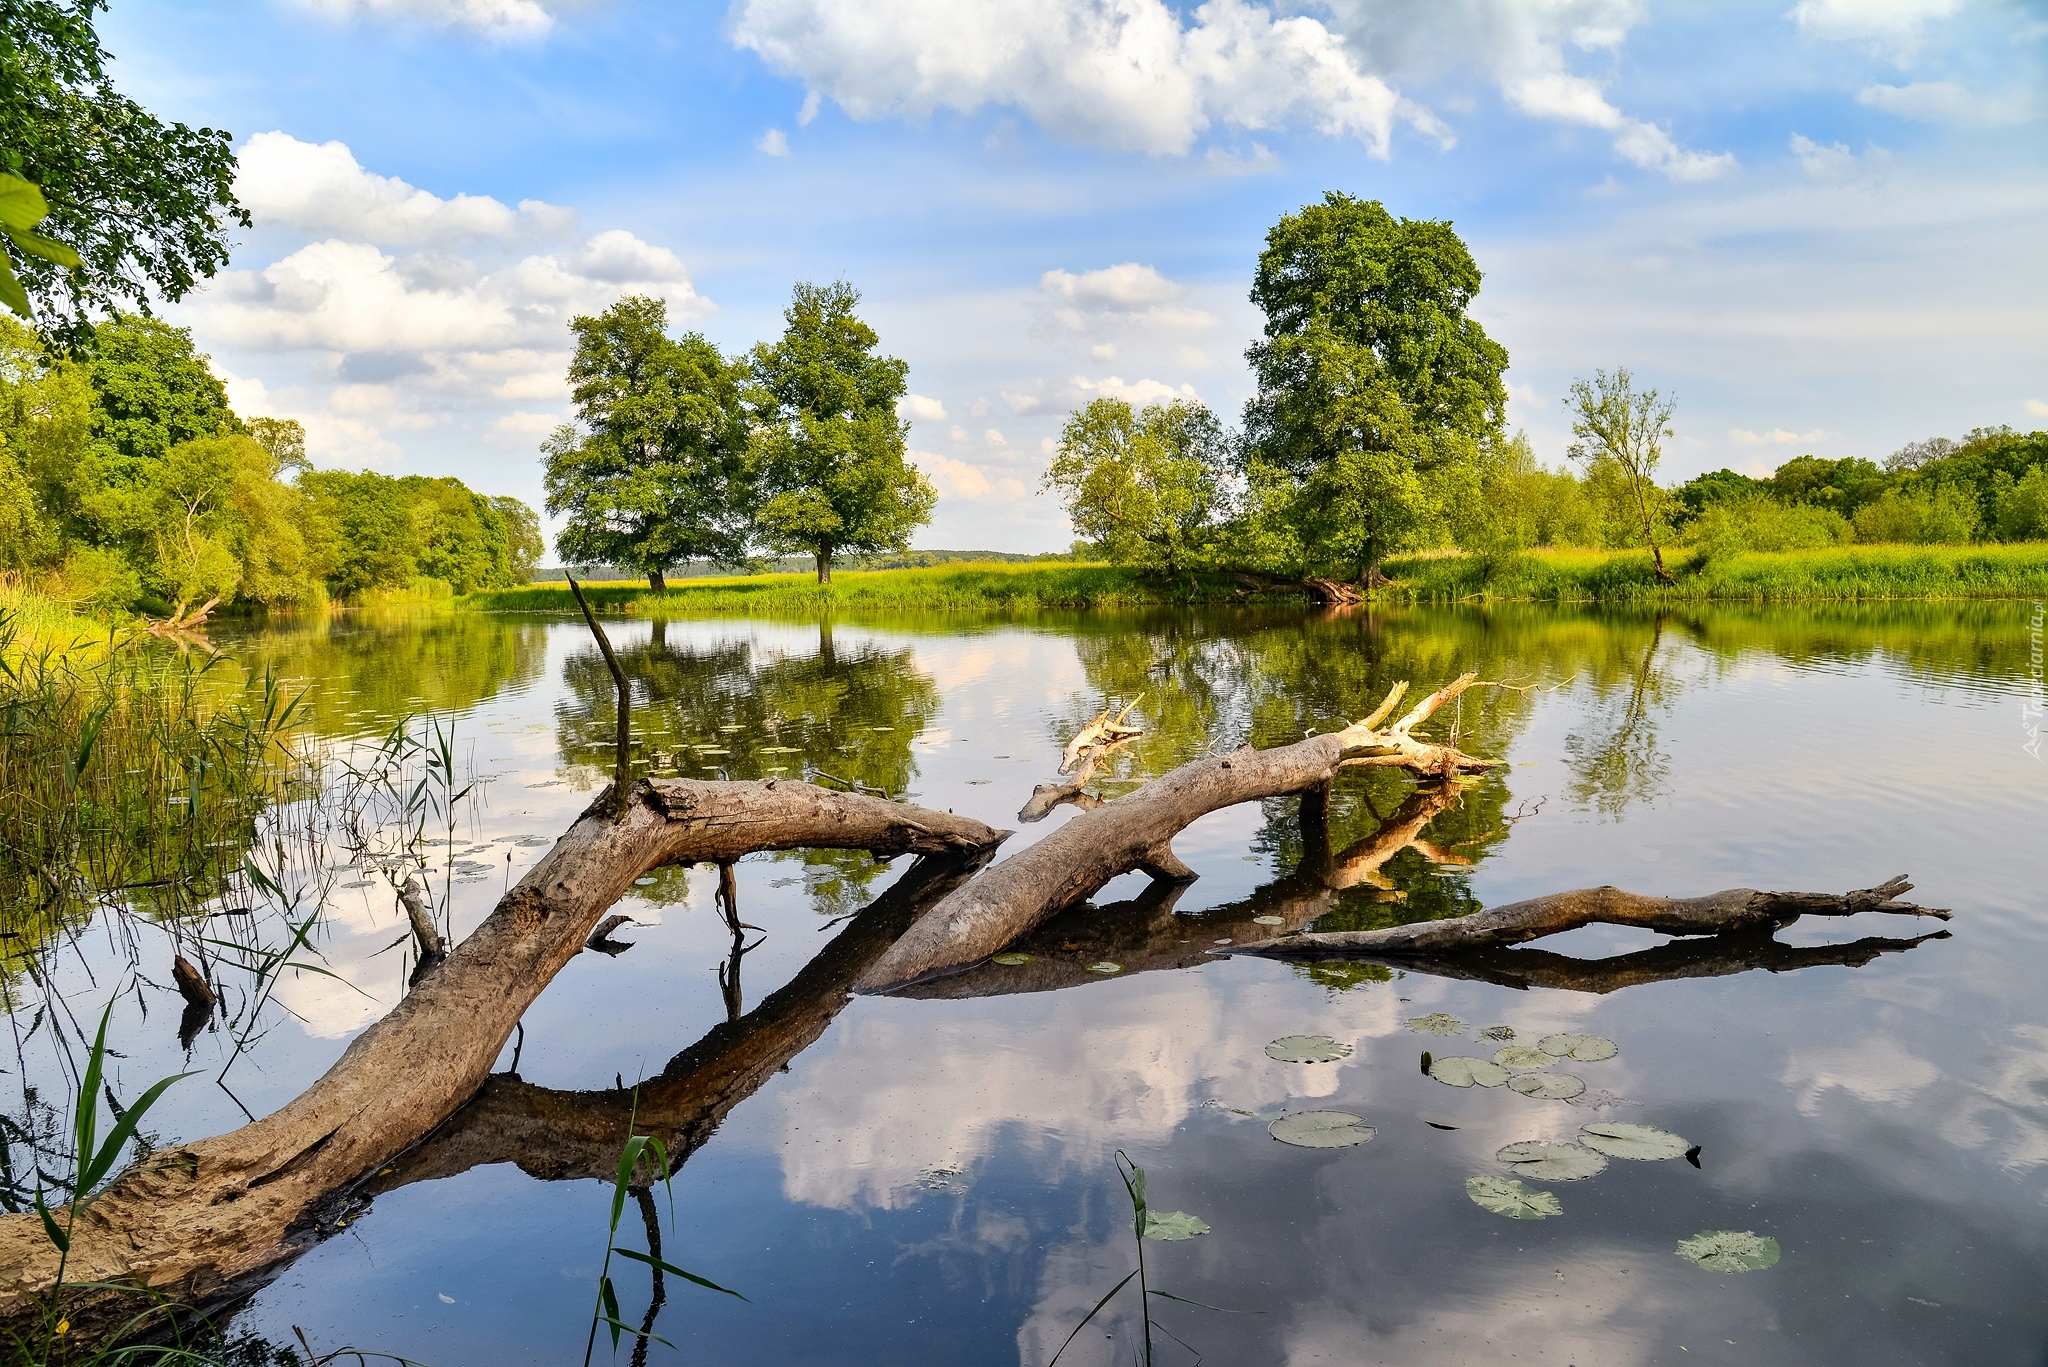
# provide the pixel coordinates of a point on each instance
(1136, 831)
(1720, 913)
(196, 1220)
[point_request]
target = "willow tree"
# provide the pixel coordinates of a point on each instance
(1375, 389)
(833, 469)
(655, 471)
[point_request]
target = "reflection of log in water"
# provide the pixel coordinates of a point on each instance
(1146, 934)
(555, 1135)
(200, 1222)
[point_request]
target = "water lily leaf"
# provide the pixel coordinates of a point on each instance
(1012, 960)
(1269, 920)
(1105, 967)
(1321, 1129)
(1501, 1033)
(1437, 1023)
(1307, 1049)
(1584, 1048)
(1645, 1142)
(1727, 1250)
(1548, 1162)
(1173, 1224)
(1520, 1058)
(1505, 1196)
(1547, 1086)
(1459, 1071)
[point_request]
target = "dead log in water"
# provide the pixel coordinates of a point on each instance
(1136, 831)
(196, 1220)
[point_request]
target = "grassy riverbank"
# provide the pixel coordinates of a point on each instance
(1572, 576)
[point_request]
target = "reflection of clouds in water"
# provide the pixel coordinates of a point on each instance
(1603, 1313)
(1069, 1077)
(1878, 1071)
(2009, 1114)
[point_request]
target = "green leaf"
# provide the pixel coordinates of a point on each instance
(51, 1227)
(1505, 1196)
(1520, 1058)
(48, 248)
(124, 1130)
(1584, 1048)
(1012, 960)
(1457, 1070)
(1307, 1049)
(1221, 1310)
(21, 203)
(1727, 1250)
(611, 1309)
(1321, 1130)
(675, 1271)
(1547, 1162)
(1643, 1142)
(1546, 1086)
(629, 1158)
(1105, 967)
(618, 1325)
(1437, 1023)
(1174, 1225)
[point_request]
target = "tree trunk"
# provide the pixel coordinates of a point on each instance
(197, 1221)
(824, 559)
(1136, 832)
(1735, 911)
(657, 581)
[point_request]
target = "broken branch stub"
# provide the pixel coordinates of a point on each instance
(1136, 831)
(196, 1221)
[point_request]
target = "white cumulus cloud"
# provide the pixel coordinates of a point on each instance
(1135, 75)
(320, 190)
(1947, 102)
(966, 480)
(774, 142)
(919, 408)
(1893, 26)
(1577, 99)
(1129, 293)
(492, 18)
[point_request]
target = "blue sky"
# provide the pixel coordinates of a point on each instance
(1818, 224)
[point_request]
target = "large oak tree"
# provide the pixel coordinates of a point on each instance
(834, 476)
(1375, 389)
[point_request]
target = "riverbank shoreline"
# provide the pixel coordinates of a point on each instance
(1835, 574)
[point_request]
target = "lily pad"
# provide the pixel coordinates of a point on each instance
(1645, 1142)
(1105, 967)
(1547, 1086)
(1269, 920)
(1517, 1201)
(1728, 1250)
(1460, 1071)
(1584, 1048)
(1173, 1224)
(1321, 1129)
(1520, 1058)
(1548, 1162)
(1012, 960)
(1499, 1033)
(1437, 1023)
(1307, 1049)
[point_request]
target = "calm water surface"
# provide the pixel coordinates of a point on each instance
(931, 1180)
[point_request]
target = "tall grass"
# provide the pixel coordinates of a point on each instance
(127, 772)
(1831, 573)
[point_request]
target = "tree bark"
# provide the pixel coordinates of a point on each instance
(657, 581)
(824, 559)
(1735, 911)
(1136, 831)
(195, 1221)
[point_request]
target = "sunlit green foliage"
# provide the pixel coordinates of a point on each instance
(833, 473)
(1375, 389)
(1144, 486)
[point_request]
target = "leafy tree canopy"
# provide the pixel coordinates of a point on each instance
(833, 470)
(1146, 487)
(1375, 389)
(147, 205)
(656, 470)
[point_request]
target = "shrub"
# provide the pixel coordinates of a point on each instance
(1939, 516)
(2023, 509)
(1757, 522)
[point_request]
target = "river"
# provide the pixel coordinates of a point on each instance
(933, 1179)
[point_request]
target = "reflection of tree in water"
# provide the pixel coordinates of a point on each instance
(738, 711)
(366, 671)
(1614, 756)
